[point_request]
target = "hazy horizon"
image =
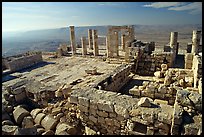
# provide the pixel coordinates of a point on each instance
(29, 16)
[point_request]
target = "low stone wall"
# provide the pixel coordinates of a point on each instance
(148, 64)
(115, 80)
(187, 119)
(155, 90)
(112, 113)
(25, 61)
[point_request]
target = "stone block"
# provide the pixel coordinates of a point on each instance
(112, 115)
(8, 129)
(18, 90)
(144, 102)
(20, 97)
(83, 108)
(49, 123)
(83, 101)
(65, 127)
(73, 99)
(19, 113)
(159, 101)
(27, 122)
(92, 118)
(92, 111)
(34, 112)
(157, 74)
(162, 89)
(109, 121)
(102, 113)
(26, 131)
(101, 120)
(89, 131)
(105, 106)
(39, 118)
(121, 111)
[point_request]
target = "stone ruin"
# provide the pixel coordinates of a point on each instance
(21, 61)
(168, 104)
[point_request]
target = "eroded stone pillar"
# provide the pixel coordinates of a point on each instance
(83, 45)
(115, 40)
(195, 41)
(72, 39)
(123, 42)
(173, 39)
(127, 43)
(95, 42)
(90, 38)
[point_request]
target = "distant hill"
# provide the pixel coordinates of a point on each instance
(49, 39)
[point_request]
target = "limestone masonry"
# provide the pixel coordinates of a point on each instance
(125, 87)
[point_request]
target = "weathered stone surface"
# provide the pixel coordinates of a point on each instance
(19, 113)
(7, 122)
(177, 114)
(89, 131)
(26, 131)
(18, 90)
(121, 111)
(102, 113)
(27, 122)
(92, 118)
(34, 112)
(9, 129)
(162, 89)
(56, 111)
(65, 127)
(49, 123)
(197, 100)
(83, 108)
(157, 74)
(159, 101)
(144, 102)
(20, 97)
(39, 118)
(73, 99)
(190, 129)
(83, 101)
(105, 106)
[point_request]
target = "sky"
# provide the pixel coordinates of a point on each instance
(24, 16)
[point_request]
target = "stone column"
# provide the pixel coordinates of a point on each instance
(173, 39)
(116, 50)
(90, 38)
(173, 45)
(108, 43)
(83, 45)
(95, 42)
(127, 43)
(123, 42)
(195, 41)
(72, 39)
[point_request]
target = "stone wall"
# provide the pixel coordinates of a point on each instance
(148, 64)
(115, 80)
(24, 61)
(112, 113)
(155, 91)
(197, 69)
(187, 116)
(188, 60)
